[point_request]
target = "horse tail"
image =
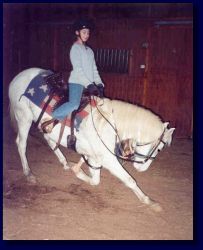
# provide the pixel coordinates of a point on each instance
(12, 118)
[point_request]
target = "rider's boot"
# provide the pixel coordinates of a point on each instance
(47, 126)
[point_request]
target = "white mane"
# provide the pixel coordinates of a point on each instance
(135, 122)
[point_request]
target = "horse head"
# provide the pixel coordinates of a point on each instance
(167, 138)
(145, 154)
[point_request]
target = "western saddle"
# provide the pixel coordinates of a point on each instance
(58, 86)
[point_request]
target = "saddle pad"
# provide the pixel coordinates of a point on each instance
(38, 92)
(79, 116)
(37, 89)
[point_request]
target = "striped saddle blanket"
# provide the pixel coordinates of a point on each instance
(38, 92)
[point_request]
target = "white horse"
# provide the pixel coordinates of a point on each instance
(112, 123)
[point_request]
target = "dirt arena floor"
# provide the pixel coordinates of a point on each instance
(61, 207)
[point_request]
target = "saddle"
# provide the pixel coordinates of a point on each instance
(58, 86)
(57, 82)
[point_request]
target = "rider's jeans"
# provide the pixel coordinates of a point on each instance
(75, 94)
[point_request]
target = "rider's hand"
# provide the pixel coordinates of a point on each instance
(100, 87)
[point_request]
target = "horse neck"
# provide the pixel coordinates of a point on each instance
(122, 112)
(136, 122)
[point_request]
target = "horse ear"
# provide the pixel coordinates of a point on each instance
(166, 124)
(168, 136)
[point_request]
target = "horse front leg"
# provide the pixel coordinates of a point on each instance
(94, 179)
(117, 170)
(57, 152)
(80, 174)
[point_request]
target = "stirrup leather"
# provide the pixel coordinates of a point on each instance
(46, 123)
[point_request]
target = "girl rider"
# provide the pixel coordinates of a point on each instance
(84, 72)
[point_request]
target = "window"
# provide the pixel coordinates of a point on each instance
(112, 60)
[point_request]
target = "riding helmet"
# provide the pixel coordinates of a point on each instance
(83, 24)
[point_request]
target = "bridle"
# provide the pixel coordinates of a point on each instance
(149, 156)
(119, 151)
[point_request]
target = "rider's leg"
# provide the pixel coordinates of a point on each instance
(75, 94)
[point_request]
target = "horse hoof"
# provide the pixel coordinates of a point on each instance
(31, 179)
(156, 207)
(66, 167)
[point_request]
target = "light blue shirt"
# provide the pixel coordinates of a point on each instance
(84, 70)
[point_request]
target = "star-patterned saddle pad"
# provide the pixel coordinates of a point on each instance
(38, 92)
(37, 89)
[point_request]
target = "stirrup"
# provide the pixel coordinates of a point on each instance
(71, 140)
(45, 124)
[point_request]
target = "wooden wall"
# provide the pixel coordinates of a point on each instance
(170, 75)
(164, 85)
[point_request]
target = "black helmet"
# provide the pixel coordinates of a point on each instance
(83, 24)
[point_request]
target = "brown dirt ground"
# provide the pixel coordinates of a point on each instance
(61, 207)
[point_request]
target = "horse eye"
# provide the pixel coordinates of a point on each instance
(159, 150)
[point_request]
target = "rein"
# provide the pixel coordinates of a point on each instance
(130, 156)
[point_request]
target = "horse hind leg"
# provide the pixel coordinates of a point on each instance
(57, 152)
(24, 123)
